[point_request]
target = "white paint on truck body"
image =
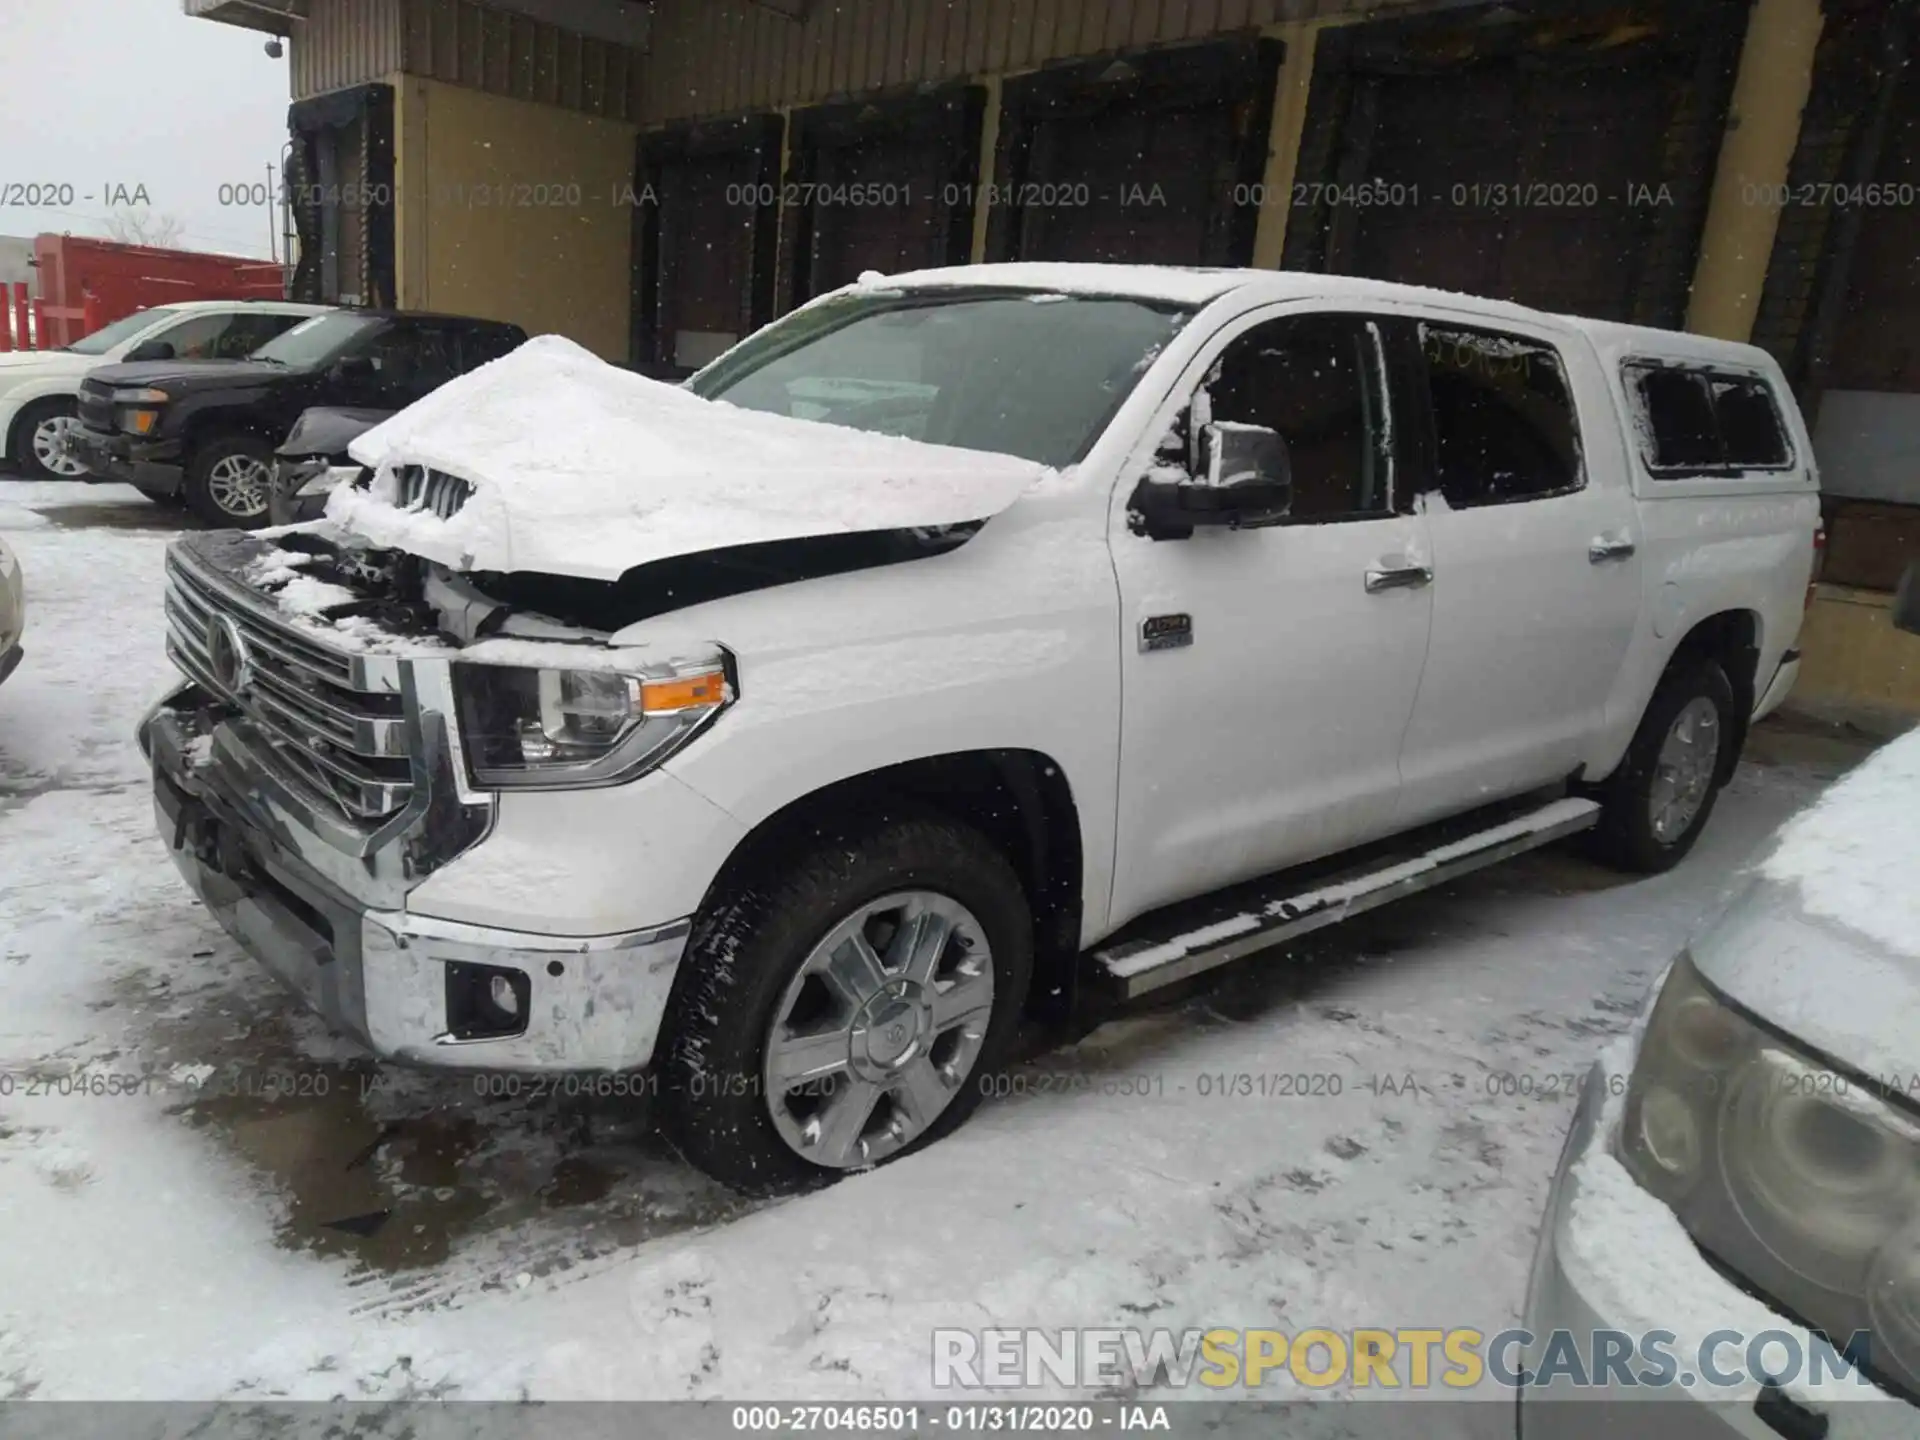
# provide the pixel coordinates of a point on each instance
(1307, 715)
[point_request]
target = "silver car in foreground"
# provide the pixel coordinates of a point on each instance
(1734, 1231)
(13, 610)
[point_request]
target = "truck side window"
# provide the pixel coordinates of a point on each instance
(412, 359)
(1503, 417)
(202, 337)
(1317, 381)
(1749, 422)
(485, 343)
(1695, 421)
(249, 332)
(1679, 416)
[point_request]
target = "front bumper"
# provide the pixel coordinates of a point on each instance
(157, 465)
(382, 975)
(1587, 1280)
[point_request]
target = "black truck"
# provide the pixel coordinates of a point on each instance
(204, 432)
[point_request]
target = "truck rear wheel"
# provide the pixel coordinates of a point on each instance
(1654, 806)
(227, 482)
(843, 1006)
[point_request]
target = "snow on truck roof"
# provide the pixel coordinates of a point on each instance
(1182, 285)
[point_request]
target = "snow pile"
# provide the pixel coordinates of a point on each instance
(1852, 855)
(581, 468)
(275, 568)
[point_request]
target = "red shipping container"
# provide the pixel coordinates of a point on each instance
(85, 284)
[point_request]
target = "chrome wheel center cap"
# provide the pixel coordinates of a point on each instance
(891, 1027)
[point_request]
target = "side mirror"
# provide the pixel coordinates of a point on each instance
(1906, 601)
(354, 369)
(1252, 461)
(149, 350)
(1248, 483)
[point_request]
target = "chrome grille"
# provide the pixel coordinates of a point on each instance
(431, 490)
(335, 720)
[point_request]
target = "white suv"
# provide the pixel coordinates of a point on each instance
(39, 389)
(1097, 625)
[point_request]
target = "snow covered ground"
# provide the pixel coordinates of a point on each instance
(265, 1215)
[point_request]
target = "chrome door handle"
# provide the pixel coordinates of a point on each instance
(1403, 577)
(1603, 550)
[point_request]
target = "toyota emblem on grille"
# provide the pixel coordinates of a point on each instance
(227, 655)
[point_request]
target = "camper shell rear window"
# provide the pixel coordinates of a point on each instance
(1703, 420)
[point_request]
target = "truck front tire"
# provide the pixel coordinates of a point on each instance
(1656, 803)
(228, 481)
(844, 1003)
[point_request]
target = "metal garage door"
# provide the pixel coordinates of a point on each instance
(704, 241)
(884, 185)
(1147, 158)
(1867, 429)
(1564, 164)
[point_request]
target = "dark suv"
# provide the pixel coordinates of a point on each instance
(205, 431)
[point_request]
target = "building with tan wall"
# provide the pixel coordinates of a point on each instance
(658, 179)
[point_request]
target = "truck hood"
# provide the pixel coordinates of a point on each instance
(329, 430)
(571, 466)
(190, 374)
(1825, 943)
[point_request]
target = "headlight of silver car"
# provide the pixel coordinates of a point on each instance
(1799, 1180)
(541, 728)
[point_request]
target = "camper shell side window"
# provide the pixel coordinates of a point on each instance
(1694, 419)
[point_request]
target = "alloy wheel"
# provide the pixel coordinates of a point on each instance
(1683, 773)
(879, 1029)
(238, 484)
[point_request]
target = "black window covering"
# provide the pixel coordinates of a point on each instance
(885, 184)
(327, 121)
(705, 236)
(1148, 157)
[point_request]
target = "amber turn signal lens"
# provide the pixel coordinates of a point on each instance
(683, 692)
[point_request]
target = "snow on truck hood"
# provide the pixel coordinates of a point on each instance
(1826, 943)
(580, 468)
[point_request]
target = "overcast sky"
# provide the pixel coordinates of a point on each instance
(103, 93)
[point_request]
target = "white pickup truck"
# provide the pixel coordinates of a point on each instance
(1011, 636)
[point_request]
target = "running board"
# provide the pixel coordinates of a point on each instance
(1291, 907)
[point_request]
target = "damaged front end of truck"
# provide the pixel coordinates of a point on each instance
(364, 692)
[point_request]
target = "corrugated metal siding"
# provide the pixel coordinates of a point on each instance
(344, 43)
(467, 44)
(715, 57)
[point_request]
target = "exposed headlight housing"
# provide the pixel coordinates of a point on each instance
(1801, 1180)
(550, 728)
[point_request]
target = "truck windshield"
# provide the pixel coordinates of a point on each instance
(314, 342)
(1032, 374)
(125, 328)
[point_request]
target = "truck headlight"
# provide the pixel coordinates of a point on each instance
(526, 727)
(1802, 1181)
(137, 415)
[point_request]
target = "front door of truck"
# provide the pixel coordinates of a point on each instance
(1268, 674)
